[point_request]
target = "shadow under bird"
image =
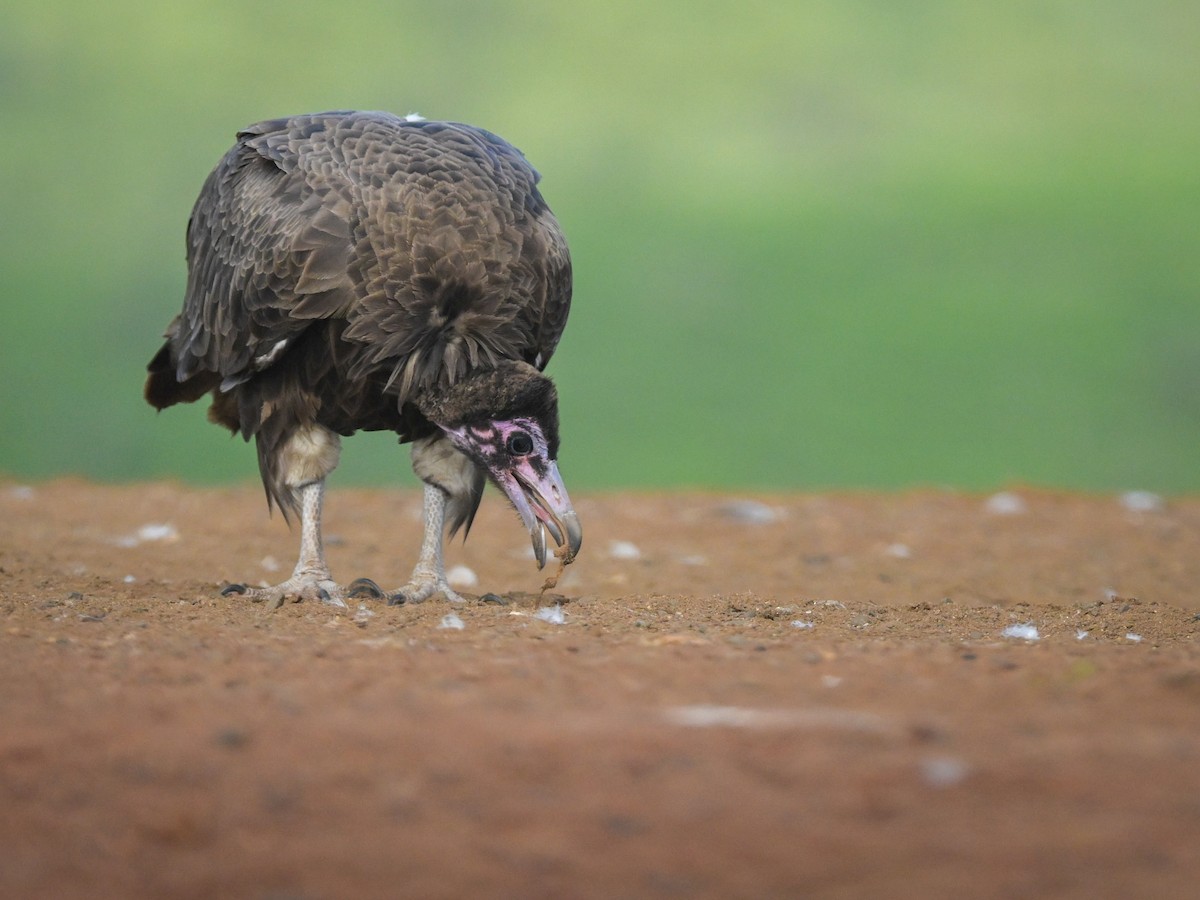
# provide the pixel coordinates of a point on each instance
(360, 271)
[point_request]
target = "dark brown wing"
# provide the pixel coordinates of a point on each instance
(268, 252)
(551, 302)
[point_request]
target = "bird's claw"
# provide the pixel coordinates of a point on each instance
(296, 589)
(416, 591)
(364, 587)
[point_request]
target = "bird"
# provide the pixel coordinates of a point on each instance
(361, 271)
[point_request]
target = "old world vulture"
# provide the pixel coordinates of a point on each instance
(359, 271)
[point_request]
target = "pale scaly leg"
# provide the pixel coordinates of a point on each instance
(429, 574)
(310, 579)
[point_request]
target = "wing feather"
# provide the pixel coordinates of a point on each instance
(268, 252)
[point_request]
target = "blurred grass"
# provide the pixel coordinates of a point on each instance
(816, 244)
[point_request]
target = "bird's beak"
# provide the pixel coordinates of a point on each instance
(541, 500)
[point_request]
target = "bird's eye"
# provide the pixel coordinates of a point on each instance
(519, 444)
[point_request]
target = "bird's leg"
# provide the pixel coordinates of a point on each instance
(310, 579)
(429, 574)
(306, 458)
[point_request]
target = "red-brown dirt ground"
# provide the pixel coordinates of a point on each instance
(800, 695)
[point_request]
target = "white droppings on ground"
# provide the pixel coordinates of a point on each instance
(749, 512)
(453, 622)
(22, 492)
(270, 563)
(695, 559)
(552, 614)
(462, 577)
(1026, 631)
(129, 579)
(1005, 503)
(624, 550)
(1142, 501)
(802, 624)
(900, 551)
(943, 771)
(1080, 634)
(1133, 636)
(831, 681)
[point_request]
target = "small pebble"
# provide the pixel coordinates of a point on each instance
(1142, 501)
(831, 604)
(233, 738)
(452, 622)
(1132, 636)
(943, 771)
(147, 534)
(751, 512)
(623, 550)
(800, 623)
(1005, 503)
(156, 532)
(462, 577)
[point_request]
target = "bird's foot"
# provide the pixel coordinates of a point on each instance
(418, 590)
(313, 586)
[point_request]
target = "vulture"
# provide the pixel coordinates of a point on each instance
(362, 271)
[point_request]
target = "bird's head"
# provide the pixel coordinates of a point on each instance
(506, 420)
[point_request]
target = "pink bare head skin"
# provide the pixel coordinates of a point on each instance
(516, 453)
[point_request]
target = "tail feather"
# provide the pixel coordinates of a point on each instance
(163, 389)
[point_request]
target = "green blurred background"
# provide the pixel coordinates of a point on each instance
(817, 244)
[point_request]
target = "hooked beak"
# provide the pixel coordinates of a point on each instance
(542, 503)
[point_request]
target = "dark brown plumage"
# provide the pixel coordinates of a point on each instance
(351, 270)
